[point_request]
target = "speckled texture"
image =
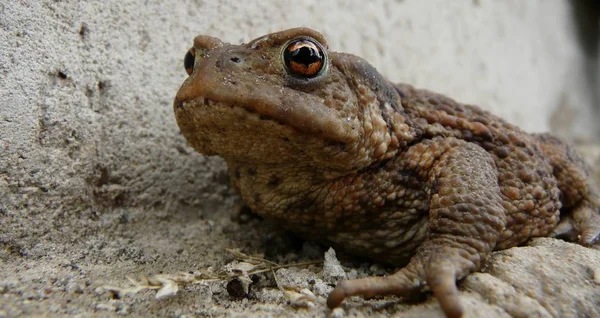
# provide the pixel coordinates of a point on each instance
(390, 172)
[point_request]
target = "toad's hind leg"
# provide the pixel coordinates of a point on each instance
(465, 221)
(580, 213)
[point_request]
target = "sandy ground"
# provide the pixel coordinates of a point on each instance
(98, 185)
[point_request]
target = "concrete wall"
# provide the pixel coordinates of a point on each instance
(91, 159)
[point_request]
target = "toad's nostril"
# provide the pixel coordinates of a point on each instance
(235, 59)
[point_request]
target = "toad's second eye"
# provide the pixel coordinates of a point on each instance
(188, 61)
(304, 58)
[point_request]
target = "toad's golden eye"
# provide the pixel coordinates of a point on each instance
(188, 61)
(304, 58)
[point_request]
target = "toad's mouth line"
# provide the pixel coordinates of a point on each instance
(307, 124)
(214, 104)
(307, 113)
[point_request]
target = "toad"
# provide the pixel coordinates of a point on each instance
(322, 144)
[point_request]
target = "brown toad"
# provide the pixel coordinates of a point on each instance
(321, 143)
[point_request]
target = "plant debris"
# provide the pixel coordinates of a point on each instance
(236, 274)
(300, 297)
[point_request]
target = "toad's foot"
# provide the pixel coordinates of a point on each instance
(582, 225)
(439, 270)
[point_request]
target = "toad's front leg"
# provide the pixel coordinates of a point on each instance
(465, 220)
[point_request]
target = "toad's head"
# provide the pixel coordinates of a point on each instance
(285, 99)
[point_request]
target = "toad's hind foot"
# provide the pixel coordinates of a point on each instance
(580, 213)
(582, 225)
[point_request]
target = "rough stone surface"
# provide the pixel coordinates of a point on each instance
(524, 282)
(531, 271)
(96, 182)
(332, 269)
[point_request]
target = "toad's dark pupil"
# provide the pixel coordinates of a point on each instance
(305, 55)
